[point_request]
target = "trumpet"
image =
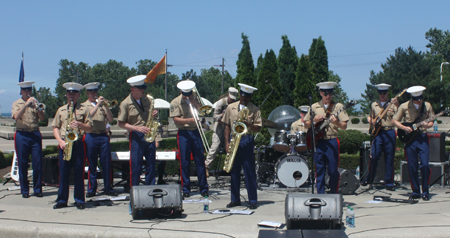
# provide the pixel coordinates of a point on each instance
(39, 106)
(108, 103)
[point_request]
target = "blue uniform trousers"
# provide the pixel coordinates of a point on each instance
(415, 150)
(77, 163)
(191, 142)
(98, 146)
(27, 143)
(245, 158)
(327, 155)
(138, 149)
(384, 142)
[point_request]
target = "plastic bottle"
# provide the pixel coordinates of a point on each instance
(435, 126)
(206, 205)
(351, 218)
(346, 216)
(357, 172)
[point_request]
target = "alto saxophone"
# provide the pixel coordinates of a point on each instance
(239, 129)
(71, 135)
(151, 124)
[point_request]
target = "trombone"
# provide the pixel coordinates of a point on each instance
(205, 109)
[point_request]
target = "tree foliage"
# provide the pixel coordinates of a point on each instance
(268, 78)
(304, 85)
(287, 64)
(318, 57)
(245, 66)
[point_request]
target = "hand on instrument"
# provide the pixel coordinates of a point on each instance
(75, 124)
(31, 101)
(334, 120)
(227, 145)
(395, 102)
(142, 129)
(62, 144)
(407, 129)
(155, 113)
(424, 124)
(318, 118)
(101, 100)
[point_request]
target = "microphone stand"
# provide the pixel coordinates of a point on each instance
(313, 140)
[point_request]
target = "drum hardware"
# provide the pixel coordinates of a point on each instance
(281, 141)
(300, 142)
(292, 170)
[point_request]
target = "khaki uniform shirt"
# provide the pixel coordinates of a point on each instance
(331, 130)
(81, 114)
(132, 113)
(29, 119)
(99, 119)
(232, 112)
(298, 126)
(180, 108)
(221, 105)
(386, 121)
(409, 113)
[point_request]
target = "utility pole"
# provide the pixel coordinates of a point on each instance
(223, 70)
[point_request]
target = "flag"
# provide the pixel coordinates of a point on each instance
(22, 72)
(160, 68)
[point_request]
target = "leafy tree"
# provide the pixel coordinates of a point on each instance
(304, 84)
(44, 95)
(210, 81)
(268, 78)
(339, 94)
(245, 66)
(287, 64)
(70, 72)
(318, 57)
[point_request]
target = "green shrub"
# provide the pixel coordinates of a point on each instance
(355, 120)
(350, 141)
(5, 159)
(364, 120)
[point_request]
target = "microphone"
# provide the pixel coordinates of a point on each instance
(267, 81)
(309, 96)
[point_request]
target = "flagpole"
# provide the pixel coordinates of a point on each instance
(165, 76)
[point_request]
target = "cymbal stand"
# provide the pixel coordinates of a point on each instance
(313, 143)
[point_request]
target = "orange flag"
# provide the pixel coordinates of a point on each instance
(160, 68)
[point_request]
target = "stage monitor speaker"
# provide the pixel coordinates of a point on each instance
(313, 211)
(437, 147)
(302, 234)
(348, 183)
(438, 171)
(150, 201)
(364, 163)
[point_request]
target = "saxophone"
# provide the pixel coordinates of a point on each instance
(152, 124)
(239, 129)
(71, 135)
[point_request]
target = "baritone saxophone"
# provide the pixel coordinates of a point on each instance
(239, 129)
(152, 124)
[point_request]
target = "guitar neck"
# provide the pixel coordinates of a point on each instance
(327, 122)
(429, 119)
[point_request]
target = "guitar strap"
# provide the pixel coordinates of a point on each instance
(329, 109)
(421, 113)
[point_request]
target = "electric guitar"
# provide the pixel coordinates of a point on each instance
(375, 129)
(405, 137)
(319, 128)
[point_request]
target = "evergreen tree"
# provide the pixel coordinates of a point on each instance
(245, 66)
(304, 84)
(268, 78)
(319, 60)
(259, 64)
(287, 64)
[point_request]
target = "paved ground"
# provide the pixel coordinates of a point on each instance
(34, 217)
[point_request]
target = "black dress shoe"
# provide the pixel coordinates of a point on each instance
(39, 195)
(80, 206)
(59, 205)
(25, 195)
(364, 183)
(205, 194)
(186, 195)
(233, 204)
(88, 195)
(390, 188)
(426, 198)
(113, 193)
(414, 196)
(252, 206)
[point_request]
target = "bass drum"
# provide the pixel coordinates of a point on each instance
(292, 171)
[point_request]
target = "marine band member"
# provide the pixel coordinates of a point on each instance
(245, 157)
(81, 124)
(189, 139)
(98, 142)
(418, 148)
(299, 125)
(327, 148)
(133, 116)
(28, 139)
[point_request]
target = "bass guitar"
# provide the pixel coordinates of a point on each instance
(375, 129)
(319, 128)
(405, 137)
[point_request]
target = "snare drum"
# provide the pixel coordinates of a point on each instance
(300, 142)
(281, 141)
(292, 171)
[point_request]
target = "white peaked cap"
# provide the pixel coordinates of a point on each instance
(383, 86)
(326, 85)
(137, 80)
(90, 86)
(26, 84)
(73, 86)
(247, 88)
(186, 85)
(416, 91)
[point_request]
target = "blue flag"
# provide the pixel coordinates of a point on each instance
(22, 72)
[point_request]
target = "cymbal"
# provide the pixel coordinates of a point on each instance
(268, 123)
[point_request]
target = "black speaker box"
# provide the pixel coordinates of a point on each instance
(50, 170)
(437, 147)
(438, 171)
(348, 183)
(302, 233)
(364, 162)
(156, 201)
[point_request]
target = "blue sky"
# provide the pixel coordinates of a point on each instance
(359, 35)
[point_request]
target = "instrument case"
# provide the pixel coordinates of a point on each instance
(154, 200)
(313, 211)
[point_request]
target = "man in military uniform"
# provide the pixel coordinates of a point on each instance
(81, 124)
(134, 112)
(299, 125)
(28, 138)
(418, 148)
(385, 140)
(245, 156)
(327, 148)
(219, 127)
(97, 141)
(189, 140)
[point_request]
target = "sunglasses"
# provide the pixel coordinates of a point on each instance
(383, 92)
(26, 89)
(72, 91)
(92, 90)
(327, 92)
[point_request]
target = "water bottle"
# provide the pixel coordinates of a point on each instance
(435, 126)
(347, 213)
(206, 205)
(351, 218)
(357, 172)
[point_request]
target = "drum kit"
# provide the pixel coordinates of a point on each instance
(285, 159)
